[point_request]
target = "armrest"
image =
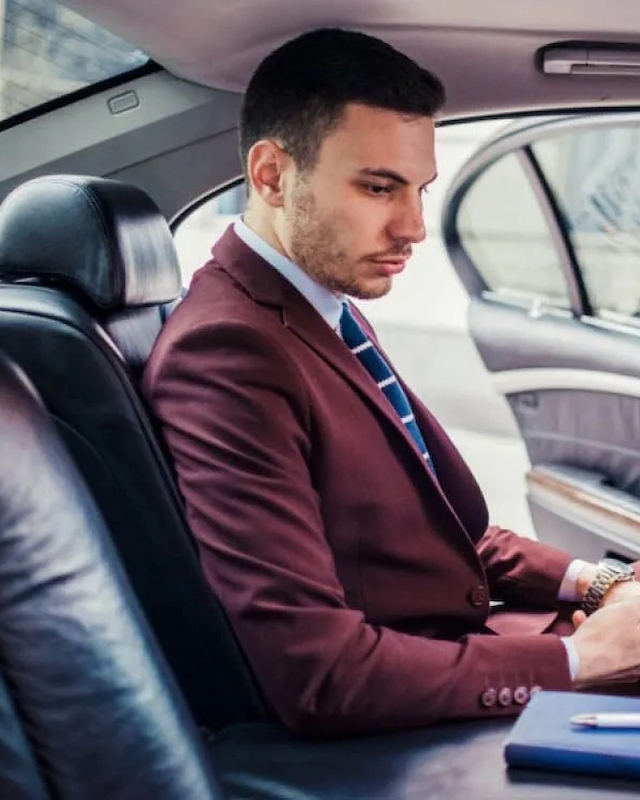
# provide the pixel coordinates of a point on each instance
(589, 501)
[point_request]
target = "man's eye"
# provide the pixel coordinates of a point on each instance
(376, 189)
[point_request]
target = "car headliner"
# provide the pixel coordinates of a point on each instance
(484, 51)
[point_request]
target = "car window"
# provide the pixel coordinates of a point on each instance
(504, 232)
(196, 231)
(47, 51)
(595, 175)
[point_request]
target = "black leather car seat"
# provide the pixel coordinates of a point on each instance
(98, 707)
(20, 778)
(86, 268)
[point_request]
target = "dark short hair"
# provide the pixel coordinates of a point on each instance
(299, 92)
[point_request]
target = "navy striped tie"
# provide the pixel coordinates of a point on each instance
(368, 355)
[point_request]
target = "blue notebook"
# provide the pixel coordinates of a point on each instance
(544, 738)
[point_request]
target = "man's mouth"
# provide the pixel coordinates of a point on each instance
(391, 265)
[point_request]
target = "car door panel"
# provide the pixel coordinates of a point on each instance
(574, 390)
(583, 511)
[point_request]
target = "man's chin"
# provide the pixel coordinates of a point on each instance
(371, 290)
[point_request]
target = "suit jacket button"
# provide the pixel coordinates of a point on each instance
(534, 689)
(505, 696)
(488, 697)
(520, 695)
(477, 596)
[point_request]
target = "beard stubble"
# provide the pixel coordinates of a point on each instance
(317, 249)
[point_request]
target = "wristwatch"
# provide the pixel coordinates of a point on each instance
(609, 571)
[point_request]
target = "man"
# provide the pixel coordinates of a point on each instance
(343, 533)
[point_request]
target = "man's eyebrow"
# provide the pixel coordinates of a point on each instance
(389, 174)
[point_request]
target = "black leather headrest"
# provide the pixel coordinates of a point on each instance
(105, 238)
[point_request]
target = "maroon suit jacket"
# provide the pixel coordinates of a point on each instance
(357, 584)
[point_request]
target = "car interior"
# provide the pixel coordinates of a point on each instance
(99, 306)
(71, 465)
(120, 676)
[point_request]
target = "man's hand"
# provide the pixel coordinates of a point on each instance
(623, 590)
(608, 643)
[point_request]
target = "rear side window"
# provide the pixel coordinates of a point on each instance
(504, 232)
(595, 175)
(199, 229)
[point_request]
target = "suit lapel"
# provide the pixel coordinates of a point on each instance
(266, 286)
(301, 318)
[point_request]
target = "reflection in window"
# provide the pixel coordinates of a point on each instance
(47, 51)
(505, 234)
(595, 175)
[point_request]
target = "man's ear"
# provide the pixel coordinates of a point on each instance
(266, 165)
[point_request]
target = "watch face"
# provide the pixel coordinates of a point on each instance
(617, 566)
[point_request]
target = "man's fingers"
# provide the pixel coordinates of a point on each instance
(578, 617)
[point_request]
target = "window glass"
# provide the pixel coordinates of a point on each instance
(47, 51)
(201, 228)
(505, 234)
(595, 175)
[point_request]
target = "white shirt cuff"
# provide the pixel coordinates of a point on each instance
(568, 591)
(572, 655)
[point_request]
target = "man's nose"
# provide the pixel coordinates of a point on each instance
(408, 221)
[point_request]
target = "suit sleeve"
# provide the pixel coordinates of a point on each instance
(236, 417)
(521, 570)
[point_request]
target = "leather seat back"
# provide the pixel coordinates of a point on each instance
(87, 266)
(100, 709)
(19, 775)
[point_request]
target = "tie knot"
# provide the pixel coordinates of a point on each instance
(346, 311)
(352, 333)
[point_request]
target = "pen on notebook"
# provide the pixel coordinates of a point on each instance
(611, 720)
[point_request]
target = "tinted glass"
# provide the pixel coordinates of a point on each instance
(506, 236)
(47, 51)
(596, 177)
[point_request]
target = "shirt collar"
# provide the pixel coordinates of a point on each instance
(326, 303)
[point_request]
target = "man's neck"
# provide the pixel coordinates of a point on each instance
(262, 227)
